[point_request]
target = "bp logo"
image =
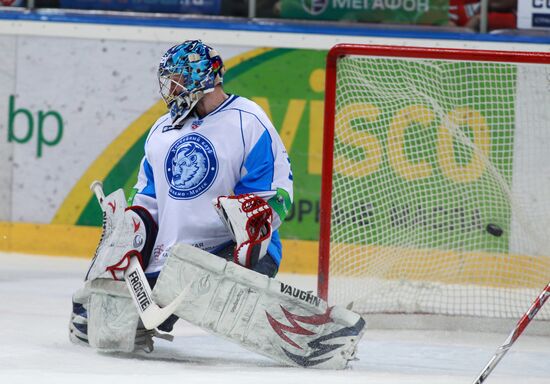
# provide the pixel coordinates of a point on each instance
(315, 7)
(191, 166)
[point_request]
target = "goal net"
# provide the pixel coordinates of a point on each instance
(436, 181)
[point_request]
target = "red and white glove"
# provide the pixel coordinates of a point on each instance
(248, 217)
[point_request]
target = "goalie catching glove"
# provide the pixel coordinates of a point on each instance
(248, 218)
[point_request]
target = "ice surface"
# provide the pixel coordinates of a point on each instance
(34, 346)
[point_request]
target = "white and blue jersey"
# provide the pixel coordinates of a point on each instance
(233, 150)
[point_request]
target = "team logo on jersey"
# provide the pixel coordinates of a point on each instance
(191, 166)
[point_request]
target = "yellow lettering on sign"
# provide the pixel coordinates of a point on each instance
(348, 136)
(315, 148)
(316, 119)
(457, 118)
(396, 142)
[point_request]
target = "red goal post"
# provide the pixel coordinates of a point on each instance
(430, 194)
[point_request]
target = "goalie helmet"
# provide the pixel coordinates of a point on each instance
(186, 73)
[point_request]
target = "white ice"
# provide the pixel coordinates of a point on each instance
(35, 294)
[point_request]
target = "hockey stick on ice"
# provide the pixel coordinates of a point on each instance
(518, 330)
(150, 313)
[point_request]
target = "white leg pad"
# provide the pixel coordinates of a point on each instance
(262, 314)
(112, 316)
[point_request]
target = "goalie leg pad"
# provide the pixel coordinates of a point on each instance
(103, 316)
(78, 324)
(113, 322)
(264, 315)
(112, 317)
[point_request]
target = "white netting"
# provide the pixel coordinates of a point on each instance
(441, 186)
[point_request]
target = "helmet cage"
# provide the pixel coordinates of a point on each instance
(186, 73)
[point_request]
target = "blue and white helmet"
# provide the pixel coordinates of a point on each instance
(186, 73)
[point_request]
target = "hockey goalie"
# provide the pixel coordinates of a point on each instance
(199, 241)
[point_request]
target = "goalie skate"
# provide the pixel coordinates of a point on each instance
(264, 315)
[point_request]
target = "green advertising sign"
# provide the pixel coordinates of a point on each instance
(431, 159)
(289, 85)
(427, 12)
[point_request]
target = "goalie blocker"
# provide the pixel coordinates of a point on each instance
(264, 315)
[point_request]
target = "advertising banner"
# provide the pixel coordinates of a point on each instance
(7, 79)
(432, 173)
(292, 99)
(534, 14)
(427, 12)
(204, 7)
(85, 115)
